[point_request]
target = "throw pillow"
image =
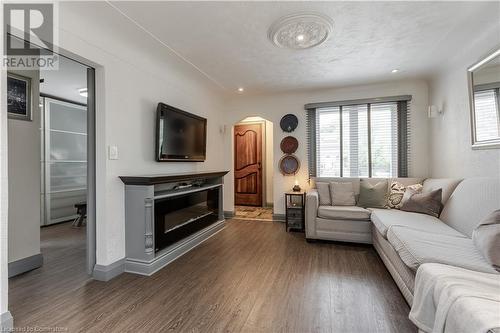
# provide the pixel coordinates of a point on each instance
(426, 203)
(324, 194)
(372, 196)
(396, 193)
(342, 194)
(486, 237)
(411, 190)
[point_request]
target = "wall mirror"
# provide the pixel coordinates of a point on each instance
(484, 85)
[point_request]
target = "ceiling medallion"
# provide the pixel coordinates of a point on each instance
(300, 31)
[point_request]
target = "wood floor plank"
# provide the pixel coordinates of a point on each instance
(250, 277)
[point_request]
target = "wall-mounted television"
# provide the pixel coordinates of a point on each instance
(180, 135)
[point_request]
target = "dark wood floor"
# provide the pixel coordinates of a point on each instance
(250, 277)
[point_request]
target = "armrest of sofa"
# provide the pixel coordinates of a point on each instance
(312, 204)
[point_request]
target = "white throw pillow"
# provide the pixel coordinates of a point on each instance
(396, 194)
(342, 194)
(324, 194)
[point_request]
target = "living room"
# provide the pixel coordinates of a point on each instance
(303, 74)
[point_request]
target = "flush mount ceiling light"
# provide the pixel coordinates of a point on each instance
(300, 31)
(240, 89)
(395, 70)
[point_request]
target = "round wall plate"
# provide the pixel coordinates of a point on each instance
(289, 122)
(289, 165)
(289, 145)
(300, 31)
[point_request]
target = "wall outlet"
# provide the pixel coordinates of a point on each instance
(113, 152)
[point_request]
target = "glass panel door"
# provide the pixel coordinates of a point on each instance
(64, 159)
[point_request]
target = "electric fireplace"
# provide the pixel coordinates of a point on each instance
(179, 216)
(168, 215)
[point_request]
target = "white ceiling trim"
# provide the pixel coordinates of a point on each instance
(166, 45)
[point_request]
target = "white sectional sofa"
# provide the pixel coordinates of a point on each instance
(405, 240)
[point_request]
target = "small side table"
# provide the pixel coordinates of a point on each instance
(295, 203)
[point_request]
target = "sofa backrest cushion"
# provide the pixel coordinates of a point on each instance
(372, 181)
(324, 193)
(448, 185)
(471, 202)
(342, 194)
(486, 237)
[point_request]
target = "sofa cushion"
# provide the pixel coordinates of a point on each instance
(383, 219)
(342, 194)
(324, 193)
(396, 192)
(343, 213)
(356, 181)
(417, 247)
(448, 185)
(372, 195)
(426, 203)
(486, 238)
(470, 203)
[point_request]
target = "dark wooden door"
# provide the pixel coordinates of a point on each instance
(248, 165)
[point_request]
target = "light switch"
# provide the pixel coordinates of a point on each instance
(113, 152)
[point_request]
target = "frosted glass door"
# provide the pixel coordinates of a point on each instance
(65, 158)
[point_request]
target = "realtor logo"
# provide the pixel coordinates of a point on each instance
(30, 36)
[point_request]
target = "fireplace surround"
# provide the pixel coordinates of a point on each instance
(168, 215)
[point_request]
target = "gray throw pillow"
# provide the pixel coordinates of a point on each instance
(426, 203)
(372, 196)
(486, 237)
(324, 194)
(342, 194)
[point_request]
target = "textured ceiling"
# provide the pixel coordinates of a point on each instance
(228, 40)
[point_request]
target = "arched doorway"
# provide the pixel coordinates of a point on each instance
(253, 168)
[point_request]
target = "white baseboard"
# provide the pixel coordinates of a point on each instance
(6, 322)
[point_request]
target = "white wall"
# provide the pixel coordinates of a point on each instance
(274, 106)
(134, 73)
(450, 149)
(24, 179)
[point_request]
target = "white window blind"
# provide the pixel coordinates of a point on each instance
(384, 139)
(355, 141)
(328, 142)
(487, 116)
(359, 140)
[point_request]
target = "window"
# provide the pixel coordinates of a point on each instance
(368, 139)
(487, 114)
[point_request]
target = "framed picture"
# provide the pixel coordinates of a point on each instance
(18, 97)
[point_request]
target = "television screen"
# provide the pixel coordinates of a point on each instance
(180, 136)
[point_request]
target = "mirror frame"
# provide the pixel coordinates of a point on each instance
(487, 144)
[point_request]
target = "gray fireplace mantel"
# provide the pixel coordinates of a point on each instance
(140, 195)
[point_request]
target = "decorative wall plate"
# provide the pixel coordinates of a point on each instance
(289, 122)
(289, 165)
(289, 145)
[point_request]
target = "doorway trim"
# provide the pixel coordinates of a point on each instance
(267, 163)
(91, 141)
(91, 172)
